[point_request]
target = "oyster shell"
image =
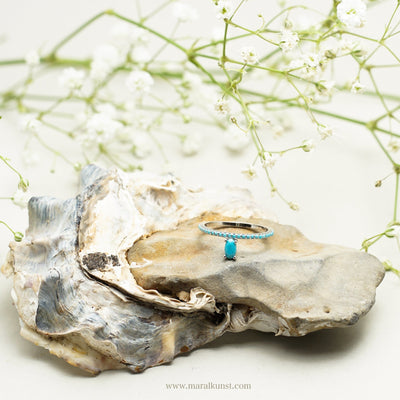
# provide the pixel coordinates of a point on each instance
(120, 276)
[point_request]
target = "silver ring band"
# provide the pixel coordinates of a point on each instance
(213, 228)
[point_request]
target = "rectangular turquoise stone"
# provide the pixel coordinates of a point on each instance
(230, 249)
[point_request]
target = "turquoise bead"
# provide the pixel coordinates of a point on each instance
(230, 249)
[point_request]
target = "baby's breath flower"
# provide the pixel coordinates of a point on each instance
(71, 79)
(269, 160)
(393, 231)
(186, 118)
(296, 64)
(326, 87)
(325, 131)
(140, 54)
(289, 40)
(141, 145)
(107, 109)
(30, 158)
(222, 107)
(23, 184)
(224, 9)
(191, 80)
(124, 135)
(294, 206)
(138, 36)
(249, 55)
(21, 198)
(312, 60)
(29, 123)
(357, 87)
(121, 33)
(249, 172)
(107, 54)
(99, 71)
(394, 145)
(235, 140)
(184, 12)
(309, 98)
(277, 130)
(191, 144)
(18, 236)
(288, 23)
(100, 129)
(349, 46)
(139, 82)
(309, 65)
(217, 33)
(329, 51)
(129, 106)
(106, 57)
(124, 35)
(78, 167)
(32, 58)
(352, 13)
(307, 145)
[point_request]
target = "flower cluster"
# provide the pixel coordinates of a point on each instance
(130, 97)
(352, 13)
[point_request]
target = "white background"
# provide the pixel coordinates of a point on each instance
(334, 186)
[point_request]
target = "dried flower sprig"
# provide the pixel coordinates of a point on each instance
(122, 127)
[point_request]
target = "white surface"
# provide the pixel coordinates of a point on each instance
(339, 204)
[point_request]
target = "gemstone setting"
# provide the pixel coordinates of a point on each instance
(230, 249)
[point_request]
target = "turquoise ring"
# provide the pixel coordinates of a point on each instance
(214, 228)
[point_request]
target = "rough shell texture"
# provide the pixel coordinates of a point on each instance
(120, 276)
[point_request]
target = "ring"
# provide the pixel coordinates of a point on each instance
(212, 228)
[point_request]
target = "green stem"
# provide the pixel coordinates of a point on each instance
(155, 11)
(224, 44)
(8, 226)
(252, 32)
(367, 243)
(53, 107)
(392, 269)
(396, 196)
(377, 91)
(306, 105)
(69, 37)
(390, 20)
(391, 52)
(13, 62)
(56, 128)
(205, 46)
(286, 10)
(389, 113)
(11, 167)
(211, 77)
(322, 112)
(164, 45)
(353, 120)
(356, 35)
(148, 29)
(236, 9)
(55, 152)
(382, 147)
